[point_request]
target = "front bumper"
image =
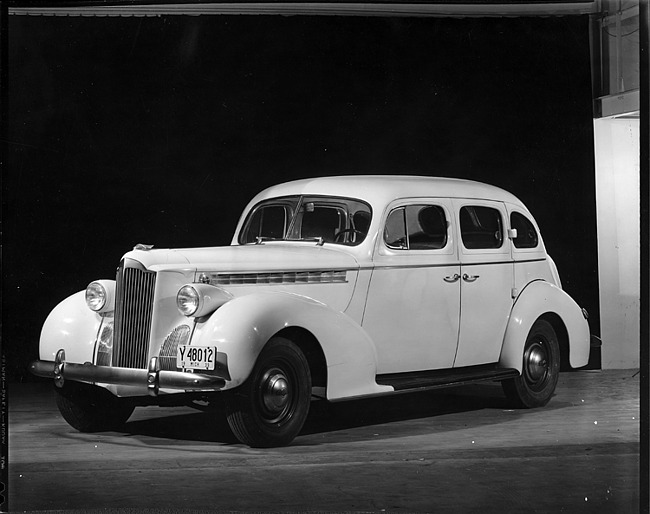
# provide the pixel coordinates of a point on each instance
(154, 377)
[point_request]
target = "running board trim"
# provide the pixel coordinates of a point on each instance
(439, 378)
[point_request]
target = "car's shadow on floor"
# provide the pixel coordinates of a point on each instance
(197, 426)
(325, 417)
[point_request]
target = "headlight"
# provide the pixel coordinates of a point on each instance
(187, 300)
(100, 295)
(200, 299)
(95, 296)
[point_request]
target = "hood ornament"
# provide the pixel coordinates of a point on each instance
(143, 247)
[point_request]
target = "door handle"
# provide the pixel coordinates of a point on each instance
(453, 278)
(469, 278)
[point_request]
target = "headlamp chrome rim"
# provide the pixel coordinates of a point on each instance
(188, 300)
(96, 296)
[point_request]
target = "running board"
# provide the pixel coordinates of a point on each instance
(434, 379)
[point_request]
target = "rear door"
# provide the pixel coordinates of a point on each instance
(486, 270)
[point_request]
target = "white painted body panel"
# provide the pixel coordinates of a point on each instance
(485, 310)
(537, 299)
(165, 314)
(530, 271)
(414, 324)
(336, 296)
(269, 256)
(241, 328)
(486, 297)
(72, 326)
(412, 313)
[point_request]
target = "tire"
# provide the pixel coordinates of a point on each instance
(540, 369)
(89, 408)
(271, 407)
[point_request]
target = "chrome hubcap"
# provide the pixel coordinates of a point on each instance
(536, 363)
(276, 394)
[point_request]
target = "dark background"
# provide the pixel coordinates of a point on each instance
(159, 130)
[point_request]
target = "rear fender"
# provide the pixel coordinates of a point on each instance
(71, 326)
(537, 299)
(240, 329)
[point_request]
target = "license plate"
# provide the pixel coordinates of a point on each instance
(196, 357)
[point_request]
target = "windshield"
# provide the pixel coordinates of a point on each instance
(326, 219)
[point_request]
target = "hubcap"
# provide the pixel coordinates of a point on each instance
(536, 364)
(276, 394)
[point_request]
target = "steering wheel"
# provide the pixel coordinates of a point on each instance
(347, 231)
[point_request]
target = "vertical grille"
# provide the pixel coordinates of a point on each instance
(180, 335)
(105, 345)
(133, 309)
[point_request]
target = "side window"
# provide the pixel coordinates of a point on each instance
(526, 233)
(268, 221)
(395, 231)
(427, 227)
(481, 227)
(416, 227)
(322, 221)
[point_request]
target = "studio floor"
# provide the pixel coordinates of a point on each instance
(453, 450)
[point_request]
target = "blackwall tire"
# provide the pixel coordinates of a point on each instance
(540, 369)
(271, 407)
(89, 408)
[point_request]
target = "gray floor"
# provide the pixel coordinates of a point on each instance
(460, 450)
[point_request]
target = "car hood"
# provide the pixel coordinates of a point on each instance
(264, 257)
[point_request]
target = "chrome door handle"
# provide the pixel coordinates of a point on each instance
(452, 279)
(469, 278)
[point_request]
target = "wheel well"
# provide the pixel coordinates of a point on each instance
(562, 338)
(312, 350)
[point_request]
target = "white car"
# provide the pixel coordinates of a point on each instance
(332, 288)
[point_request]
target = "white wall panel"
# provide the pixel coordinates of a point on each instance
(617, 198)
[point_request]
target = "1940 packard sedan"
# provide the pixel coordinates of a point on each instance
(333, 288)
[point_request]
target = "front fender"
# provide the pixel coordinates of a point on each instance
(240, 329)
(71, 326)
(537, 299)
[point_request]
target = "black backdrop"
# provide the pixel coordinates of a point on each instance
(159, 130)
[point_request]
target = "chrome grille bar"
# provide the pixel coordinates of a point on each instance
(133, 310)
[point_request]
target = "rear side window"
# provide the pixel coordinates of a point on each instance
(416, 227)
(481, 227)
(526, 233)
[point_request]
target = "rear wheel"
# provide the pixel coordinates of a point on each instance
(270, 408)
(89, 408)
(540, 370)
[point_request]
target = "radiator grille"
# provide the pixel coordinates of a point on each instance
(133, 310)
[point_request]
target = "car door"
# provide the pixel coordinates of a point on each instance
(413, 304)
(486, 269)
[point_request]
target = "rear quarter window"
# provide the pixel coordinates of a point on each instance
(526, 233)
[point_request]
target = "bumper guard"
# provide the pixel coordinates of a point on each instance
(154, 377)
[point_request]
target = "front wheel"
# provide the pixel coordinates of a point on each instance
(540, 370)
(270, 408)
(89, 408)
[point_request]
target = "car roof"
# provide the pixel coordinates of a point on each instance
(382, 189)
